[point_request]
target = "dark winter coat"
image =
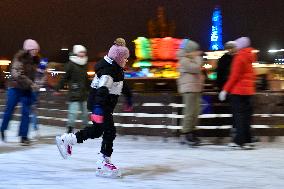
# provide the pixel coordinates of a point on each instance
(23, 70)
(223, 70)
(102, 95)
(77, 79)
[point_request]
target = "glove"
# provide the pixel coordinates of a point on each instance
(97, 114)
(222, 95)
(42, 66)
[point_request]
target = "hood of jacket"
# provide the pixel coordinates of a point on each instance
(248, 54)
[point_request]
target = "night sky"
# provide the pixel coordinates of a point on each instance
(96, 23)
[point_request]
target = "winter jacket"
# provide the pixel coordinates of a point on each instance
(107, 84)
(77, 79)
(242, 77)
(191, 77)
(223, 70)
(23, 70)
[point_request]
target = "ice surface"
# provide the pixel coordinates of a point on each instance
(146, 163)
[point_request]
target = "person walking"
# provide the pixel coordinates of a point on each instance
(21, 87)
(77, 79)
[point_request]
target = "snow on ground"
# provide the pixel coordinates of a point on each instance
(146, 163)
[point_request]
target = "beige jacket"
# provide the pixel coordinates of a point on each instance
(191, 77)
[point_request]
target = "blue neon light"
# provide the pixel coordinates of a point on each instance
(216, 42)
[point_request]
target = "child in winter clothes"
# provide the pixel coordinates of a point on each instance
(106, 87)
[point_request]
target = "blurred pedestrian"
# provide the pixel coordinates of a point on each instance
(21, 87)
(106, 88)
(128, 102)
(41, 81)
(223, 72)
(241, 86)
(77, 79)
(224, 64)
(190, 85)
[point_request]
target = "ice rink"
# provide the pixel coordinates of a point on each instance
(146, 162)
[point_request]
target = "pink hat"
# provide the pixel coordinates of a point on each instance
(242, 42)
(118, 52)
(30, 44)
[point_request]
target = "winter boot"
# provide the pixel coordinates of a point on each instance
(25, 141)
(65, 143)
(190, 139)
(3, 137)
(248, 146)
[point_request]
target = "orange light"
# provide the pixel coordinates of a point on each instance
(5, 62)
(91, 73)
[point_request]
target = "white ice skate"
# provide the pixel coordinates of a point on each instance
(106, 169)
(65, 143)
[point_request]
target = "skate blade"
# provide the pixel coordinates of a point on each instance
(24, 144)
(193, 144)
(60, 149)
(108, 174)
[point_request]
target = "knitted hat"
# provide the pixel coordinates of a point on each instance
(30, 44)
(118, 52)
(191, 46)
(79, 48)
(230, 45)
(242, 42)
(120, 41)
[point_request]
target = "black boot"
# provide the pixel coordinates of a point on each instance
(25, 141)
(3, 137)
(190, 139)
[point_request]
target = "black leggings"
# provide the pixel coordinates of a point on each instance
(106, 129)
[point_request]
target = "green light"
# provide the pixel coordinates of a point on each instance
(212, 76)
(142, 64)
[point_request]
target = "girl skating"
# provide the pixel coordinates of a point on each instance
(106, 88)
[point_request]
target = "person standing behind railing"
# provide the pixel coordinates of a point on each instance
(190, 85)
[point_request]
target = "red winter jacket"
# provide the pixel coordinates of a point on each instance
(242, 77)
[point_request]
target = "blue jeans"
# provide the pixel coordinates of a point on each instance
(34, 112)
(14, 96)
